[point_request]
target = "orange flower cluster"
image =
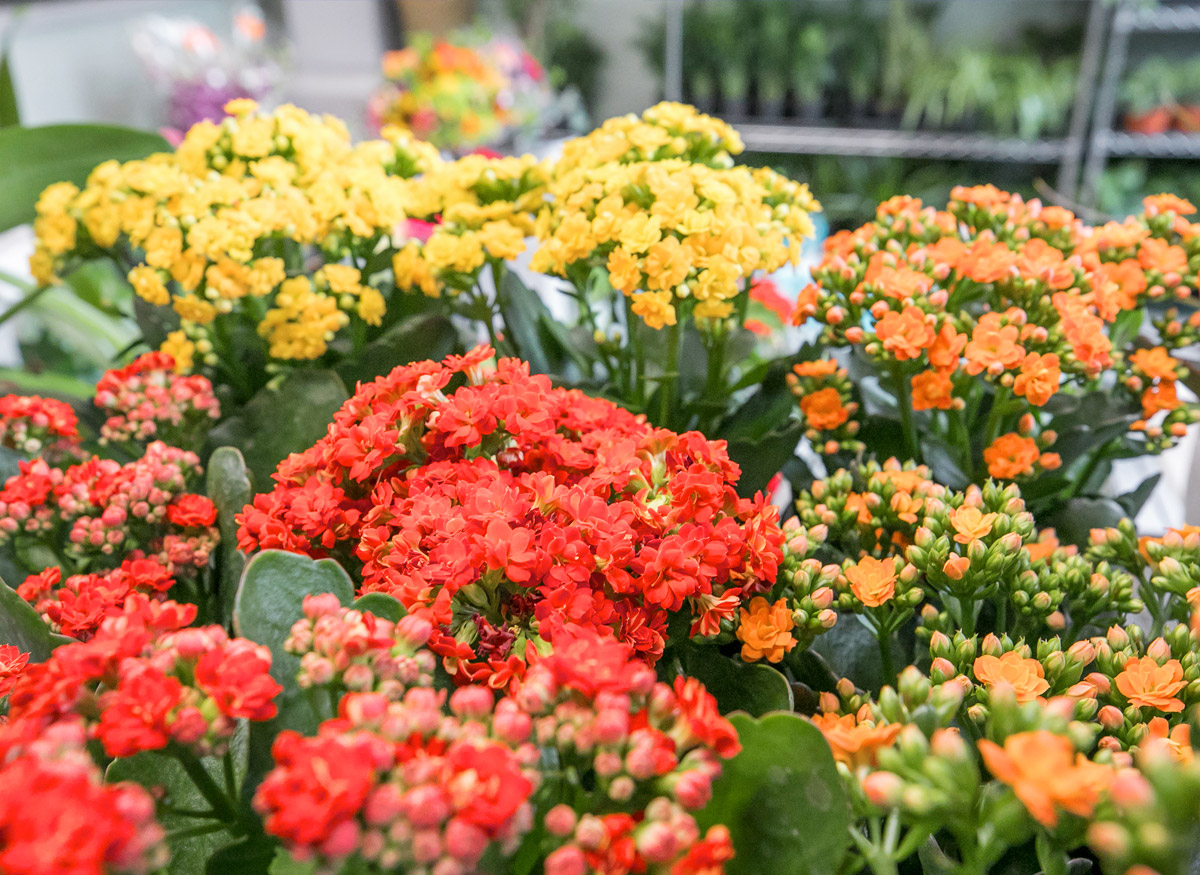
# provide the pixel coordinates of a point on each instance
(977, 316)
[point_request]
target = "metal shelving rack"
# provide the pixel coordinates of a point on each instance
(798, 138)
(1106, 142)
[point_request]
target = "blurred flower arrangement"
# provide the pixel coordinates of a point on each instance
(199, 72)
(466, 92)
(497, 609)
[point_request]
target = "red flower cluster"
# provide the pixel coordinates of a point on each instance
(12, 666)
(34, 426)
(100, 510)
(158, 681)
(149, 401)
(503, 505)
(77, 606)
(57, 815)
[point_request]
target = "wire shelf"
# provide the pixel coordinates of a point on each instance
(1161, 19)
(805, 140)
(1172, 145)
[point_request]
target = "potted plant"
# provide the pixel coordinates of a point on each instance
(729, 45)
(1187, 96)
(1147, 96)
(810, 70)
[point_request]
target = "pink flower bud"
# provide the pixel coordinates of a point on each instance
(567, 860)
(1110, 717)
(471, 702)
(465, 841)
(883, 789)
(560, 820)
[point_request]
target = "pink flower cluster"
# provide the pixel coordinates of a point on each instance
(427, 792)
(34, 426)
(57, 815)
(149, 401)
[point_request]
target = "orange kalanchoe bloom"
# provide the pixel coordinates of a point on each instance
(1025, 677)
(873, 581)
(1161, 256)
(1010, 456)
(853, 743)
(987, 261)
(970, 523)
(932, 389)
(946, 349)
(1039, 378)
(904, 334)
(1047, 774)
(1176, 742)
(1155, 363)
(1159, 397)
(993, 346)
(1146, 684)
(766, 630)
(824, 409)
(816, 368)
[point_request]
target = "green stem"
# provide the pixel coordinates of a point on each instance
(1098, 455)
(884, 637)
(995, 417)
(231, 788)
(193, 831)
(222, 807)
(669, 379)
(31, 296)
(904, 402)
(714, 390)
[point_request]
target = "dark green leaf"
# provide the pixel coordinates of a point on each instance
(154, 322)
(10, 114)
(168, 782)
(781, 799)
(58, 385)
(1133, 501)
(381, 605)
(280, 421)
(762, 459)
(852, 648)
(430, 336)
(252, 855)
(738, 686)
(283, 864)
(228, 486)
(100, 284)
(21, 625)
(1075, 518)
(942, 463)
(33, 158)
(524, 314)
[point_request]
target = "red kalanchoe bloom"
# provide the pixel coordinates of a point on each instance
(239, 681)
(192, 511)
(39, 426)
(557, 507)
(12, 666)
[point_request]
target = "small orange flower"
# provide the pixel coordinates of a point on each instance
(824, 409)
(993, 345)
(911, 480)
(1146, 684)
(988, 196)
(1026, 677)
(1011, 456)
(1160, 396)
(904, 334)
(1038, 260)
(970, 523)
(1157, 204)
(1155, 363)
(1039, 378)
(932, 389)
(1118, 235)
(947, 251)
(1046, 774)
(765, 630)
(1176, 742)
(987, 261)
(818, 368)
(853, 743)
(947, 347)
(902, 283)
(1159, 255)
(1046, 544)
(858, 502)
(806, 305)
(873, 581)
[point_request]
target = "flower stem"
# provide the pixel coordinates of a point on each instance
(904, 402)
(669, 378)
(995, 416)
(222, 808)
(884, 637)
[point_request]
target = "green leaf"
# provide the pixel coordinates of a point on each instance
(100, 284)
(756, 688)
(21, 625)
(430, 336)
(1075, 518)
(59, 385)
(10, 115)
(165, 778)
(283, 420)
(283, 864)
(33, 158)
(781, 799)
(1134, 500)
(269, 601)
(228, 485)
(524, 315)
(381, 605)
(252, 855)
(762, 458)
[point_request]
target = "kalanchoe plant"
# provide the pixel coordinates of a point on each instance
(1003, 339)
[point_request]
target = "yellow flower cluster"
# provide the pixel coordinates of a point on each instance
(238, 208)
(673, 231)
(664, 131)
(477, 208)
